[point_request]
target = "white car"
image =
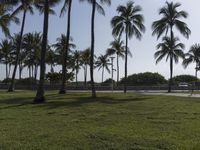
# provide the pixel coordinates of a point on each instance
(183, 84)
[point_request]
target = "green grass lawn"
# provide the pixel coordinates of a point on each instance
(112, 121)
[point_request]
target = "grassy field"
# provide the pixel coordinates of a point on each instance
(112, 121)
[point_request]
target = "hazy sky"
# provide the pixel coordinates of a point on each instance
(143, 51)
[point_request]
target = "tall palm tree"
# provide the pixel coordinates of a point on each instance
(193, 56)
(32, 48)
(130, 22)
(78, 63)
(103, 63)
(170, 19)
(24, 6)
(118, 49)
(44, 6)
(170, 49)
(67, 5)
(28, 47)
(5, 53)
(6, 18)
(85, 57)
(96, 5)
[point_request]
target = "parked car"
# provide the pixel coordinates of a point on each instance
(183, 84)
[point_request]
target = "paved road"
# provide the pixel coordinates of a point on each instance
(157, 92)
(178, 93)
(174, 94)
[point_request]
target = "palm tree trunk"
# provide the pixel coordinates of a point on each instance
(102, 74)
(52, 70)
(6, 70)
(29, 68)
(76, 77)
(11, 87)
(64, 69)
(76, 73)
(171, 73)
(20, 71)
(117, 70)
(85, 75)
(171, 61)
(126, 57)
(92, 49)
(32, 68)
(40, 98)
(9, 68)
(35, 76)
(196, 70)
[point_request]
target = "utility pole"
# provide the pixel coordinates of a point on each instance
(112, 69)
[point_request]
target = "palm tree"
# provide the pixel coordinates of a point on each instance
(16, 42)
(60, 48)
(193, 56)
(171, 50)
(25, 6)
(67, 4)
(5, 53)
(6, 18)
(170, 19)
(130, 22)
(85, 57)
(103, 63)
(77, 60)
(96, 5)
(28, 47)
(32, 48)
(44, 7)
(118, 49)
(51, 58)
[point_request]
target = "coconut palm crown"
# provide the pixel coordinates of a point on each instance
(170, 19)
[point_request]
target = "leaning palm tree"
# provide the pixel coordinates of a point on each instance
(24, 6)
(6, 18)
(193, 56)
(67, 5)
(130, 22)
(96, 5)
(171, 50)
(103, 63)
(170, 19)
(118, 49)
(44, 6)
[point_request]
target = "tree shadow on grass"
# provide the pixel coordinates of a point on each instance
(15, 102)
(78, 102)
(71, 100)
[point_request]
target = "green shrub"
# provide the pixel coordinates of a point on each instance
(184, 78)
(147, 78)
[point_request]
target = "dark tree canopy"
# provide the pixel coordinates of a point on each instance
(146, 78)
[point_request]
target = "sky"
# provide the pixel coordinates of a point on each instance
(142, 51)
